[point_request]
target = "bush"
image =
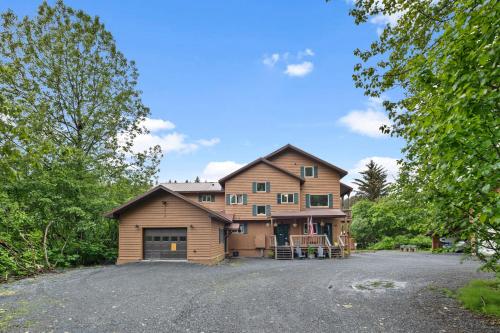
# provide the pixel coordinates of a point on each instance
(482, 296)
(391, 243)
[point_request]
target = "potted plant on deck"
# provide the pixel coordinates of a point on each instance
(310, 252)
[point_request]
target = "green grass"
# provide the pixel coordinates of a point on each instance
(481, 296)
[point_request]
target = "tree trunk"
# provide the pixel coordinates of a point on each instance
(45, 243)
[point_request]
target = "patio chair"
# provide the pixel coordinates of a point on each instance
(299, 253)
(321, 252)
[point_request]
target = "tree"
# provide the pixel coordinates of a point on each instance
(69, 111)
(373, 184)
(197, 179)
(442, 58)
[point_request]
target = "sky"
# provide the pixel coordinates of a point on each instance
(230, 81)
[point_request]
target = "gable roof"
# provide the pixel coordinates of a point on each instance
(115, 212)
(257, 161)
(194, 187)
(345, 189)
(341, 171)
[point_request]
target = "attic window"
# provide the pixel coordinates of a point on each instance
(309, 171)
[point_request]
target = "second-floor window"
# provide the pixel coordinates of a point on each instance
(207, 198)
(287, 198)
(319, 200)
(236, 199)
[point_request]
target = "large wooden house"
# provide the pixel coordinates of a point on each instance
(274, 205)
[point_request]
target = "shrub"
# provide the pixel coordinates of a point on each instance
(482, 296)
(391, 243)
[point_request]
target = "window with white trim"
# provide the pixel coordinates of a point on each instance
(261, 210)
(309, 171)
(306, 228)
(207, 198)
(236, 199)
(287, 198)
(318, 200)
(260, 187)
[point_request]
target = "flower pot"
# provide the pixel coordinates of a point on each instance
(310, 255)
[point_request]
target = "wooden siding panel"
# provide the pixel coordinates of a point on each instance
(242, 183)
(151, 213)
(328, 180)
(218, 205)
(245, 243)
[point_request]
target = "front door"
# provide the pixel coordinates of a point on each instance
(328, 231)
(282, 231)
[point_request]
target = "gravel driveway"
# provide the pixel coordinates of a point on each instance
(371, 292)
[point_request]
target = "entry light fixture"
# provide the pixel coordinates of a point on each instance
(137, 226)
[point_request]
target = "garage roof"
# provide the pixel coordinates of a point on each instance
(194, 187)
(116, 212)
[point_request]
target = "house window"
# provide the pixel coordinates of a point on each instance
(287, 198)
(319, 200)
(243, 228)
(261, 187)
(306, 228)
(236, 199)
(261, 210)
(207, 198)
(309, 171)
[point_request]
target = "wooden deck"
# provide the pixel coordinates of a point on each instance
(304, 242)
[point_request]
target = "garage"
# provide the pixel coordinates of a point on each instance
(165, 243)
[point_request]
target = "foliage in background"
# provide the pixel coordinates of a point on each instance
(373, 182)
(442, 58)
(69, 110)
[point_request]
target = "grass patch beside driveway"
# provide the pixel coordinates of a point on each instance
(482, 296)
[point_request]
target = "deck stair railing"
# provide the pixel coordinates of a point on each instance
(304, 241)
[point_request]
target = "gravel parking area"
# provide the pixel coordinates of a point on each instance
(369, 292)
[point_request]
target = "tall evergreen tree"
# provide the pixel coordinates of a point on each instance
(374, 183)
(197, 179)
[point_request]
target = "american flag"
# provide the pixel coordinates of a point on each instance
(310, 226)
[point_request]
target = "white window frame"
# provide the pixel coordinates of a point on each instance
(257, 210)
(315, 228)
(257, 187)
(312, 171)
(238, 199)
(327, 200)
(205, 196)
(287, 196)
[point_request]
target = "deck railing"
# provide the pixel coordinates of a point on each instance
(306, 240)
(341, 245)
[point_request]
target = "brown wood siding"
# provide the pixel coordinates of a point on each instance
(245, 243)
(242, 183)
(151, 213)
(217, 248)
(328, 180)
(218, 205)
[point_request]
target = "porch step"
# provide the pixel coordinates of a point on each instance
(336, 252)
(284, 253)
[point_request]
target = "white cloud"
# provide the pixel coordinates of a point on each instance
(169, 142)
(271, 60)
(209, 143)
(388, 163)
(299, 70)
(216, 170)
(305, 53)
(368, 121)
(154, 125)
(291, 64)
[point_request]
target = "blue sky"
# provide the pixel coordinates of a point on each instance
(230, 81)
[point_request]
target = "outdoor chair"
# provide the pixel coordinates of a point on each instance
(321, 253)
(299, 253)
